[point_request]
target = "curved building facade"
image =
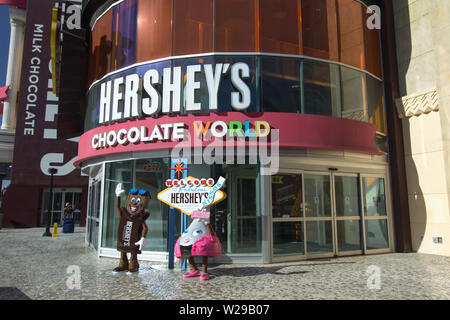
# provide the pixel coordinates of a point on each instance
(283, 98)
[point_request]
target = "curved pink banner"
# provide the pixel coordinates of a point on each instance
(296, 131)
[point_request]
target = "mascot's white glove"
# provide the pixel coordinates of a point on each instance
(119, 190)
(141, 244)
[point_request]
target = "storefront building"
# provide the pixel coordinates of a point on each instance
(285, 99)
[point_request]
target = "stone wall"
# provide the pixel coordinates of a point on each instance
(423, 54)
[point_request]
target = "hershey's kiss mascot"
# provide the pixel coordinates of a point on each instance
(200, 239)
(132, 227)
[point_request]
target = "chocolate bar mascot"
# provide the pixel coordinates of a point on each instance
(132, 227)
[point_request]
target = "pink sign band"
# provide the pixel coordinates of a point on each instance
(200, 214)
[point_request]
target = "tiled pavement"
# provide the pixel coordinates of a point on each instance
(38, 267)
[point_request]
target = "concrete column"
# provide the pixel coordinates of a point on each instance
(17, 21)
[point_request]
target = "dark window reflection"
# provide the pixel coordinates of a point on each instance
(319, 29)
(354, 104)
(375, 103)
(124, 28)
(287, 197)
(193, 30)
(236, 25)
(99, 63)
(281, 85)
(226, 86)
(321, 88)
(280, 26)
(154, 32)
(201, 95)
(351, 37)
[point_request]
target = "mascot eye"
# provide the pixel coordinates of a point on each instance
(197, 232)
(186, 232)
(138, 201)
(133, 200)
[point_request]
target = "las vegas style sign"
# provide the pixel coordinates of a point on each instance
(192, 194)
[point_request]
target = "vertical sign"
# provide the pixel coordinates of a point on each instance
(36, 147)
(178, 170)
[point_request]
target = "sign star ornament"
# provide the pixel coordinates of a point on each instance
(179, 167)
(189, 195)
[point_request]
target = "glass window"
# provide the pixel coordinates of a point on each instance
(158, 66)
(319, 237)
(374, 196)
(193, 30)
(319, 29)
(317, 195)
(372, 48)
(280, 26)
(77, 205)
(101, 45)
(354, 105)
(124, 26)
(92, 108)
(321, 88)
(150, 175)
(281, 90)
(347, 196)
(287, 198)
(201, 95)
(375, 103)
(377, 234)
(154, 32)
(349, 235)
(288, 238)
(226, 85)
(236, 26)
(351, 38)
(116, 172)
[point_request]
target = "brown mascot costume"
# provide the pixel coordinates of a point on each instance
(132, 227)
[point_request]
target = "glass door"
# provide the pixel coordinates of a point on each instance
(319, 231)
(287, 215)
(376, 224)
(150, 174)
(244, 219)
(93, 216)
(347, 208)
(318, 214)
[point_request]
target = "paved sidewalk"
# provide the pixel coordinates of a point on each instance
(37, 266)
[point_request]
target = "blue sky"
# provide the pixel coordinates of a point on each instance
(4, 42)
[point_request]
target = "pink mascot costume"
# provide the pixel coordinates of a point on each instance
(200, 240)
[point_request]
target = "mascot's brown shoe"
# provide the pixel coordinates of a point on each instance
(123, 263)
(120, 269)
(134, 265)
(134, 269)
